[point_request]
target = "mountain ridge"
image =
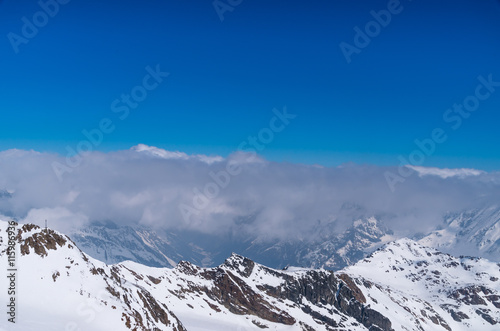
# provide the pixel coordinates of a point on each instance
(241, 294)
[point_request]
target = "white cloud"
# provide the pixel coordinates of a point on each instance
(445, 172)
(146, 185)
(164, 154)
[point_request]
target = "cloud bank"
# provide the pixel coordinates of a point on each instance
(240, 193)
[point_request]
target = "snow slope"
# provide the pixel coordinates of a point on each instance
(61, 288)
(436, 291)
(472, 232)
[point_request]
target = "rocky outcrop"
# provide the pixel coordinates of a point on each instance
(323, 288)
(40, 241)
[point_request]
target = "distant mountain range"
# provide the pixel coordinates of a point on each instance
(473, 232)
(403, 285)
(111, 243)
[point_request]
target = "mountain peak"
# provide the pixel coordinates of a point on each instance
(240, 264)
(403, 247)
(33, 239)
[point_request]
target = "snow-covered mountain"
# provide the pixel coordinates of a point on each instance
(421, 288)
(112, 243)
(472, 232)
(327, 248)
(402, 286)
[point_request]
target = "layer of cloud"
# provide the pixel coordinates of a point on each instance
(241, 193)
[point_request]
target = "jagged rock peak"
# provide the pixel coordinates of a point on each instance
(187, 268)
(240, 264)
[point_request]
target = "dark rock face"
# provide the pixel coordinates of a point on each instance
(455, 314)
(485, 314)
(233, 293)
(325, 289)
(358, 294)
(239, 298)
(471, 295)
(158, 312)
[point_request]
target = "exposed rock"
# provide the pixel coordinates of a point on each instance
(470, 295)
(41, 241)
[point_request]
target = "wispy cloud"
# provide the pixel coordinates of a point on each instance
(445, 172)
(164, 154)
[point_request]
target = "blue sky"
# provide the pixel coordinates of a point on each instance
(227, 76)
